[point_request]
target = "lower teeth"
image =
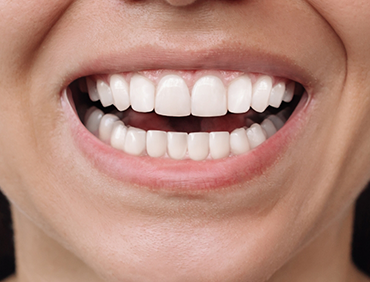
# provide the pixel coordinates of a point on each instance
(115, 130)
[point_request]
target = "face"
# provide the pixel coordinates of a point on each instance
(131, 193)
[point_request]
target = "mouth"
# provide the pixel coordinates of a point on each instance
(183, 127)
(196, 115)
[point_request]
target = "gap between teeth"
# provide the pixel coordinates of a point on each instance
(208, 97)
(197, 146)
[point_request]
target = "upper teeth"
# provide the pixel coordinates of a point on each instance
(208, 97)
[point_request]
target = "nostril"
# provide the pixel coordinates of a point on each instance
(180, 2)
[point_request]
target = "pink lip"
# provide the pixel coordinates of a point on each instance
(190, 176)
(185, 176)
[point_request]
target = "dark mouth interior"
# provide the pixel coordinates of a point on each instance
(153, 121)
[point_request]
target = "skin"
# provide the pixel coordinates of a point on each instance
(75, 223)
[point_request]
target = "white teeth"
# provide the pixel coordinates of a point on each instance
(219, 144)
(261, 93)
(269, 127)
(173, 97)
(208, 97)
(239, 143)
(240, 95)
(276, 121)
(156, 143)
(289, 92)
(277, 93)
(91, 89)
(120, 92)
(135, 141)
(105, 93)
(198, 145)
(106, 127)
(177, 144)
(255, 135)
(142, 94)
(92, 120)
(118, 137)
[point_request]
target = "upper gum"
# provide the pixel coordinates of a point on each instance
(189, 76)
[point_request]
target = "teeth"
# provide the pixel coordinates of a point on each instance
(261, 93)
(208, 97)
(277, 93)
(239, 143)
(120, 92)
(106, 127)
(269, 127)
(135, 141)
(142, 94)
(91, 89)
(198, 145)
(105, 93)
(289, 92)
(173, 97)
(156, 143)
(255, 135)
(118, 137)
(92, 119)
(219, 144)
(276, 121)
(240, 95)
(177, 144)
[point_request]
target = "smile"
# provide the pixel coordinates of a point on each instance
(197, 115)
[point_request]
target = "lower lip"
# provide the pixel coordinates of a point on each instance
(185, 176)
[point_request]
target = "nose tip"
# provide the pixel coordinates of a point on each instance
(180, 2)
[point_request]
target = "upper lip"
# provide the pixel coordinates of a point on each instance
(219, 57)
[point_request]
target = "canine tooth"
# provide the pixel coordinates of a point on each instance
(173, 97)
(276, 121)
(142, 94)
(219, 144)
(106, 126)
(156, 143)
(105, 93)
(269, 127)
(240, 95)
(177, 144)
(255, 135)
(92, 119)
(198, 145)
(276, 96)
(289, 92)
(208, 97)
(119, 132)
(91, 88)
(261, 93)
(119, 87)
(135, 141)
(239, 143)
